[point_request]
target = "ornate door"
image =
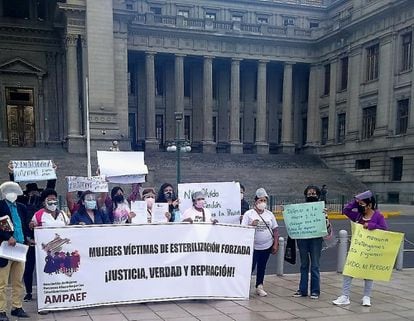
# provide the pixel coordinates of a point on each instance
(20, 117)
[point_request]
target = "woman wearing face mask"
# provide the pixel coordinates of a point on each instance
(362, 211)
(166, 194)
(118, 208)
(148, 195)
(197, 213)
(310, 253)
(266, 237)
(88, 212)
(49, 215)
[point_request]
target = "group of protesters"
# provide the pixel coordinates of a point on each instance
(36, 207)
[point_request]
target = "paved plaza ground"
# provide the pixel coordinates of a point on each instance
(391, 301)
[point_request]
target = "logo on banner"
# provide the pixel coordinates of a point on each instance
(59, 260)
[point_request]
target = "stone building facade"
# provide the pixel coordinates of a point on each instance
(332, 77)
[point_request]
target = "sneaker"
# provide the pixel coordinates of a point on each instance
(342, 300)
(3, 316)
(314, 296)
(260, 291)
(298, 294)
(19, 312)
(366, 301)
(28, 297)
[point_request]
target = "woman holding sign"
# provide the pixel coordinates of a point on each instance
(361, 210)
(265, 238)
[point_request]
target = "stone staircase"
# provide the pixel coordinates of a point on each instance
(284, 176)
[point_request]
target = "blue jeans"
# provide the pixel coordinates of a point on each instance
(260, 258)
(310, 250)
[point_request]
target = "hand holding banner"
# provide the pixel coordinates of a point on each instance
(222, 199)
(33, 170)
(305, 220)
(96, 184)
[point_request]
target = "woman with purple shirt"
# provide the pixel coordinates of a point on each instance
(361, 210)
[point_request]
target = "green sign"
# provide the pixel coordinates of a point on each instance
(305, 220)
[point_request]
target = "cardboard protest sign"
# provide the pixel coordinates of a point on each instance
(96, 184)
(222, 199)
(372, 253)
(33, 170)
(305, 220)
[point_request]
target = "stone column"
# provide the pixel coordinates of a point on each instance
(72, 89)
(151, 142)
(179, 90)
(287, 108)
(262, 147)
(208, 144)
(332, 103)
(385, 85)
(353, 113)
(236, 147)
(313, 110)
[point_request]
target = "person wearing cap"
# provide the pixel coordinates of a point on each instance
(310, 253)
(361, 210)
(197, 212)
(266, 237)
(17, 213)
(89, 213)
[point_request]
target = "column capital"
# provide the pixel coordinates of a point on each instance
(150, 53)
(238, 60)
(289, 63)
(180, 55)
(71, 40)
(209, 57)
(263, 61)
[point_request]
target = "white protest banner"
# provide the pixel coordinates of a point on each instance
(121, 163)
(96, 184)
(222, 199)
(79, 267)
(33, 170)
(140, 210)
(305, 220)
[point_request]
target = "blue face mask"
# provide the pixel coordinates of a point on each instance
(90, 205)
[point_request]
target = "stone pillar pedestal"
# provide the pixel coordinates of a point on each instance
(236, 148)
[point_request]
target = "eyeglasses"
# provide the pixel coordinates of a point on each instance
(52, 203)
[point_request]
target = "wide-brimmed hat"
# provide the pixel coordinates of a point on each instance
(11, 187)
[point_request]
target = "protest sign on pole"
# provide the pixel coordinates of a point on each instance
(305, 220)
(33, 170)
(372, 253)
(79, 267)
(122, 167)
(222, 199)
(96, 184)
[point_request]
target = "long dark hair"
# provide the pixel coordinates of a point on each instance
(160, 196)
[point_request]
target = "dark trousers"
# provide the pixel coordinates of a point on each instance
(29, 269)
(260, 258)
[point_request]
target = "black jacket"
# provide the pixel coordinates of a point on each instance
(5, 236)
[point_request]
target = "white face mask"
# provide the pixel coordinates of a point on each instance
(11, 197)
(261, 206)
(51, 208)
